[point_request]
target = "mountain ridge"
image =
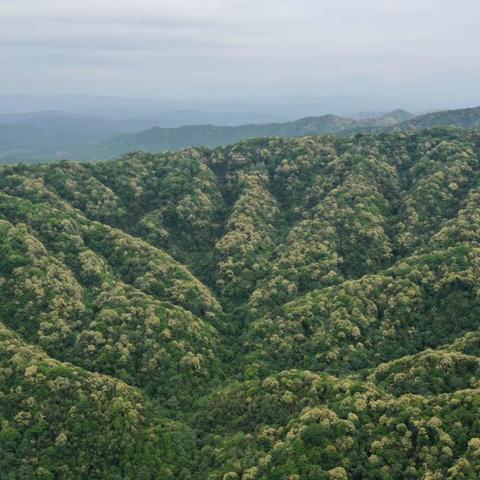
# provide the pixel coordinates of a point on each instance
(160, 139)
(281, 308)
(59, 138)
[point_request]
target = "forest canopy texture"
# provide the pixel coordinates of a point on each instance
(279, 309)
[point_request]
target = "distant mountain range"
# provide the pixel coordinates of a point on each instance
(463, 118)
(162, 139)
(47, 136)
(50, 135)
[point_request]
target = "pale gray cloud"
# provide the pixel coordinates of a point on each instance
(408, 52)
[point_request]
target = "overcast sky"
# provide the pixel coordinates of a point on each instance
(407, 52)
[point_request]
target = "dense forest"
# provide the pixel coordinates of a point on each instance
(279, 309)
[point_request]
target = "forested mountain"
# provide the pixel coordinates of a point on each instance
(162, 139)
(42, 136)
(464, 118)
(47, 136)
(157, 139)
(279, 309)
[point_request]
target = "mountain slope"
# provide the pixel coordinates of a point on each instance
(59, 421)
(52, 135)
(462, 118)
(162, 139)
(281, 308)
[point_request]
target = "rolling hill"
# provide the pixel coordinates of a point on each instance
(157, 140)
(462, 118)
(47, 136)
(162, 139)
(281, 308)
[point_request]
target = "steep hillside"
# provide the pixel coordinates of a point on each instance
(281, 308)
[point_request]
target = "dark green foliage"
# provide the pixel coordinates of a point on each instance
(286, 309)
(59, 421)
